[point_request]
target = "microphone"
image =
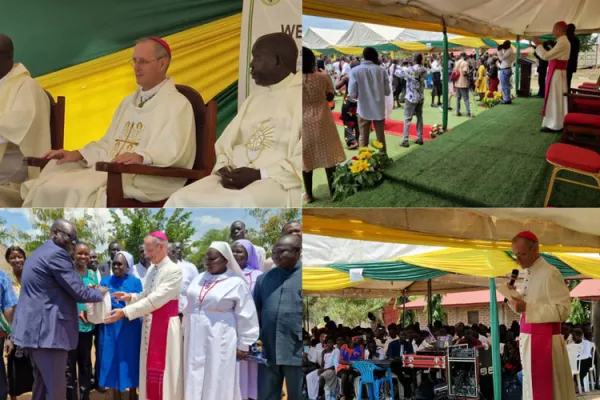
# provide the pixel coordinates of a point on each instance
(513, 277)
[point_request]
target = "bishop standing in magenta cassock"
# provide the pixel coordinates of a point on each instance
(555, 103)
(161, 351)
(544, 303)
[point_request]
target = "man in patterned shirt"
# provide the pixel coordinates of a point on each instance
(413, 104)
(8, 302)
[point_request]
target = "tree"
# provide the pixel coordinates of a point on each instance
(350, 312)
(271, 224)
(579, 313)
(4, 233)
(137, 223)
(201, 246)
(408, 316)
(89, 227)
(436, 306)
(587, 42)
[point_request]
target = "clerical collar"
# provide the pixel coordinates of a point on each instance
(145, 96)
(162, 262)
(537, 262)
(4, 78)
(283, 83)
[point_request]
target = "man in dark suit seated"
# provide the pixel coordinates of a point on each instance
(46, 321)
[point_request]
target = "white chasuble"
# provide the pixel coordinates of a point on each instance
(556, 83)
(163, 130)
(265, 135)
(161, 358)
(24, 124)
(219, 318)
(546, 369)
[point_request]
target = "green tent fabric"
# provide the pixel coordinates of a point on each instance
(49, 36)
(328, 52)
(490, 43)
(398, 270)
(439, 44)
(391, 271)
(385, 47)
(565, 269)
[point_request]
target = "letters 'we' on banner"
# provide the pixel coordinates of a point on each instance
(261, 17)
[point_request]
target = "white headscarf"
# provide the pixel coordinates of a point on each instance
(129, 259)
(232, 265)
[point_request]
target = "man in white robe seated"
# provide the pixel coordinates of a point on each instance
(153, 126)
(24, 124)
(259, 155)
(555, 103)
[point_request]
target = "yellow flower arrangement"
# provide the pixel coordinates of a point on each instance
(359, 165)
(377, 144)
(363, 149)
(364, 155)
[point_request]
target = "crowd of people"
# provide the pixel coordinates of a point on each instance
(157, 126)
(373, 86)
(230, 330)
(330, 348)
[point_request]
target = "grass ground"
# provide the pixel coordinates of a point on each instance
(495, 160)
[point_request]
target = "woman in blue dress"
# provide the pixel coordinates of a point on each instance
(120, 341)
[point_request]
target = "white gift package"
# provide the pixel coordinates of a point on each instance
(96, 312)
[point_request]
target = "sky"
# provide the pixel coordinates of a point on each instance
(204, 219)
(319, 22)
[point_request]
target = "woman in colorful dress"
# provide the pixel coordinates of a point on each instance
(321, 144)
(20, 372)
(79, 360)
(220, 324)
(247, 258)
(120, 341)
(481, 86)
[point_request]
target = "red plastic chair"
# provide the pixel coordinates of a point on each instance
(566, 157)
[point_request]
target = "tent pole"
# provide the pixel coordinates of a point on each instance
(429, 302)
(518, 67)
(495, 341)
(445, 81)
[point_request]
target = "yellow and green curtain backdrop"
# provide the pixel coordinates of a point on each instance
(436, 264)
(81, 50)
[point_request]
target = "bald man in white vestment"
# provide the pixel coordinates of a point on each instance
(259, 155)
(24, 124)
(153, 126)
(555, 103)
(544, 304)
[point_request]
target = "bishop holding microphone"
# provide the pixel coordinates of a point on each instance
(544, 303)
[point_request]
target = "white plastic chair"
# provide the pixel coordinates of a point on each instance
(574, 350)
(588, 380)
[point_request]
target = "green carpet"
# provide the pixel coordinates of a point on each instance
(494, 160)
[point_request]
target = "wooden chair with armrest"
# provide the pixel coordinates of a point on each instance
(206, 135)
(57, 130)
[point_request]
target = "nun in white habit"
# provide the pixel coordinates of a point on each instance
(220, 323)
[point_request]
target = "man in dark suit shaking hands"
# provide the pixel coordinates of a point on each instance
(46, 320)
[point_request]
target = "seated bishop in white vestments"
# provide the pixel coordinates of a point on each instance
(544, 305)
(161, 351)
(153, 126)
(24, 124)
(259, 155)
(555, 103)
